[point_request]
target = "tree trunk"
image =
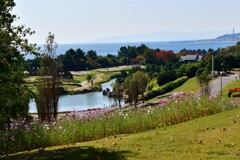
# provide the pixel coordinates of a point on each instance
(119, 103)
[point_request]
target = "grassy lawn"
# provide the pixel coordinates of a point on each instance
(116, 69)
(79, 78)
(211, 137)
(190, 85)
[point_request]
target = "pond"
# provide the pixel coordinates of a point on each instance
(82, 101)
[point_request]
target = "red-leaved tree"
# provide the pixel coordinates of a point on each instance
(165, 56)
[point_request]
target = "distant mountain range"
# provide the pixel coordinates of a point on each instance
(173, 36)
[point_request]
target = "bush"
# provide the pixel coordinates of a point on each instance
(166, 88)
(191, 71)
(165, 77)
(67, 75)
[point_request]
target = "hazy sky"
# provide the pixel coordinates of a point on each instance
(86, 20)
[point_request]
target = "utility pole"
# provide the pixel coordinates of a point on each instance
(221, 82)
(212, 66)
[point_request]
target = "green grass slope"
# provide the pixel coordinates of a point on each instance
(212, 137)
(190, 85)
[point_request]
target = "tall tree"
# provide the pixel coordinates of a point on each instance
(142, 81)
(118, 92)
(165, 56)
(14, 96)
(150, 57)
(49, 82)
(91, 54)
(131, 89)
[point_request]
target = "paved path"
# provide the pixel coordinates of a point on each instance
(216, 84)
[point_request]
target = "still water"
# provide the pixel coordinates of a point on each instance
(82, 101)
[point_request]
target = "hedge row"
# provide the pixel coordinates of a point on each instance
(165, 88)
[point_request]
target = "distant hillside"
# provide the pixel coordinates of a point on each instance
(172, 36)
(162, 36)
(229, 37)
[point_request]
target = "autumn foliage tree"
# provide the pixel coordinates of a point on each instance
(165, 56)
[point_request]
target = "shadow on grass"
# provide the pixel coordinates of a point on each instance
(72, 153)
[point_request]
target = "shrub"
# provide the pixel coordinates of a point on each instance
(165, 77)
(67, 75)
(166, 88)
(191, 71)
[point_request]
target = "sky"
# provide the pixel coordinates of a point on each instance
(75, 21)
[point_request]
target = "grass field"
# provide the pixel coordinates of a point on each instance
(211, 137)
(190, 85)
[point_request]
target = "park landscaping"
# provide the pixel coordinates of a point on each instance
(74, 86)
(20, 132)
(78, 127)
(210, 137)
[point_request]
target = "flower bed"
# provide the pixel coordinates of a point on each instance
(232, 90)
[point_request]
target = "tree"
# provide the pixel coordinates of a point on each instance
(118, 92)
(131, 89)
(142, 81)
(165, 56)
(49, 82)
(150, 57)
(73, 60)
(134, 85)
(203, 79)
(191, 70)
(91, 54)
(14, 96)
(90, 78)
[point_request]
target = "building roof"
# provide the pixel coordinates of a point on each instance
(191, 58)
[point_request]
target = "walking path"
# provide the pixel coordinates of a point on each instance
(215, 85)
(86, 85)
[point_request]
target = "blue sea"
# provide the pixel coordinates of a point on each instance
(113, 48)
